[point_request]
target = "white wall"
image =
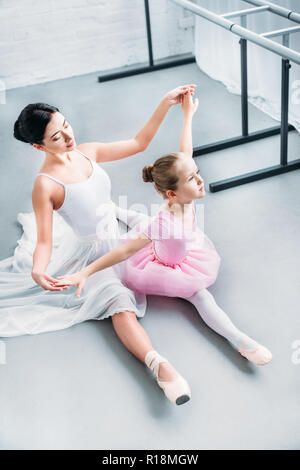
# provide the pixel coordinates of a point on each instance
(44, 40)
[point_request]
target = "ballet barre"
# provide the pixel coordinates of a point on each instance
(264, 40)
(288, 55)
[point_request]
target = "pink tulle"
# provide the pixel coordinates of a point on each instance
(166, 274)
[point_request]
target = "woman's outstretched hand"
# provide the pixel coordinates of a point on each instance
(176, 96)
(188, 106)
(47, 282)
(77, 279)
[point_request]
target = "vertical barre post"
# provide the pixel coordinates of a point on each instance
(244, 88)
(284, 110)
(149, 38)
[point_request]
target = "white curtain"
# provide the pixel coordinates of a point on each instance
(217, 53)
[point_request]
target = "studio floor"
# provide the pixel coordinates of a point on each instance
(79, 388)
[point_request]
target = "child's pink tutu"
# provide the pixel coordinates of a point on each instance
(177, 262)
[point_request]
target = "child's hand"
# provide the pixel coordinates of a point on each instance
(188, 106)
(77, 279)
(175, 96)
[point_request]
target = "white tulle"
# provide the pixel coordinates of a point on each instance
(26, 308)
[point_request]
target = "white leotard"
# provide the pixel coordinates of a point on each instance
(85, 202)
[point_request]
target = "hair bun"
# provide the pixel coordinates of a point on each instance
(32, 121)
(17, 132)
(147, 174)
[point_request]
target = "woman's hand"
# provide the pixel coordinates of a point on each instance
(188, 106)
(77, 279)
(46, 282)
(176, 96)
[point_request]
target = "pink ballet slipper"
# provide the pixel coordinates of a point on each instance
(177, 390)
(260, 356)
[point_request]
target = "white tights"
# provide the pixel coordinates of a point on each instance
(219, 321)
(203, 300)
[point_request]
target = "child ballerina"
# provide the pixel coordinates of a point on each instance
(169, 255)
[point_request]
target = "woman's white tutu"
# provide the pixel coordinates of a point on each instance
(26, 308)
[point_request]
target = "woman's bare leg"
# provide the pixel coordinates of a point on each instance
(136, 340)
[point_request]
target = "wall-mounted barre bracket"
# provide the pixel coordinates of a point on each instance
(277, 10)
(247, 12)
(281, 32)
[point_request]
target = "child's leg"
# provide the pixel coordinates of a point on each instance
(130, 217)
(219, 321)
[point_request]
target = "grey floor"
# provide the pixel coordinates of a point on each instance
(80, 388)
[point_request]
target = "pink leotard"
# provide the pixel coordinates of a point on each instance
(177, 263)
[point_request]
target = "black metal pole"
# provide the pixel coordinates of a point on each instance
(240, 140)
(149, 37)
(129, 72)
(284, 111)
(244, 88)
(254, 176)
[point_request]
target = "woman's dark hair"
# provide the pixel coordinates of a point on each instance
(163, 173)
(32, 122)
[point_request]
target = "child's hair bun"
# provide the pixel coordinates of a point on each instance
(147, 174)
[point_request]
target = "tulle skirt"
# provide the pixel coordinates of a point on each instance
(26, 308)
(145, 272)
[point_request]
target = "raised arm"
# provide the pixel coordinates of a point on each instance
(117, 255)
(188, 108)
(104, 152)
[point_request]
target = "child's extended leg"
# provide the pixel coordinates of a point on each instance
(219, 321)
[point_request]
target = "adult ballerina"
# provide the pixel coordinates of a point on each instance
(66, 185)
